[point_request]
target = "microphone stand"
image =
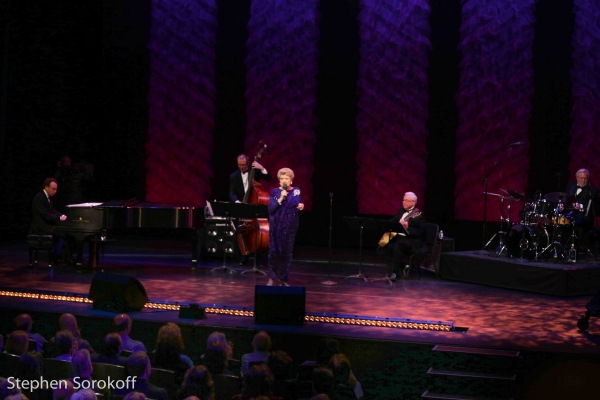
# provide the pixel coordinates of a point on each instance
(485, 180)
(329, 282)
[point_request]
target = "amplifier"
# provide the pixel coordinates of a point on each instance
(219, 237)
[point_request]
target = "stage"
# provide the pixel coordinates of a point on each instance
(485, 316)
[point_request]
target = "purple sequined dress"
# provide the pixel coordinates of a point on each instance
(283, 226)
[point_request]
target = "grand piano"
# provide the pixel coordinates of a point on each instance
(91, 220)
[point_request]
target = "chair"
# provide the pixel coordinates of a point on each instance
(39, 242)
(57, 369)
(51, 349)
(163, 378)
(226, 386)
(8, 364)
(433, 250)
(102, 371)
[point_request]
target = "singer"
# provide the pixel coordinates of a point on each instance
(284, 206)
(403, 245)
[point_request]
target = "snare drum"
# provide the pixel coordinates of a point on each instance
(542, 212)
(524, 241)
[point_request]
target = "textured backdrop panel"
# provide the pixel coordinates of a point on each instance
(585, 131)
(494, 102)
(393, 103)
(181, 101)
(281, 85)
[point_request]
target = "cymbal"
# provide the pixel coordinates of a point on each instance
(559, 197)
(496, 194)
(519, 196)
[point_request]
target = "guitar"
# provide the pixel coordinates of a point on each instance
(388, 236)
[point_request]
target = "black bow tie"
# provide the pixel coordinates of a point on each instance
(245, 172)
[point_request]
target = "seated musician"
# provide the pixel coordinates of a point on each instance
(401, 245)
(586, 197)
(45, 217)
(238, 185)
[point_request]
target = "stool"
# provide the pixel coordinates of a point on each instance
(98, 244)
(39, 242)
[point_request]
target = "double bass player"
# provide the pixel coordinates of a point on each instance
(239, 184)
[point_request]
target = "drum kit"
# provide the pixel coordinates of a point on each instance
(546, 229)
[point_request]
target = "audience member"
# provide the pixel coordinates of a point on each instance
(347, 386)
(64, 390)
(69, 322)
(30, 369)
(82, 367)
(67, 345)
(84, 394)
(123, 324)
(24, 322)
(167, 354)
(16, 343)
(262, 345)
(218, 352)
(323, 381)
(257, 382)
(138, 365)
(109, 351)
(197, 383)
(325, 349)
(280, 364)
(6, 389)
(135, 396)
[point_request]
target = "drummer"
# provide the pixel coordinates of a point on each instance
(582, 197)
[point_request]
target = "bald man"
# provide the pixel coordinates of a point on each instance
(262, 348)
(123, 324)
(68, 322)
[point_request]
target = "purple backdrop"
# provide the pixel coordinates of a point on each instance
(181, 101)
(494, 102)
(393, 103)
(281, 85)
(585, 131)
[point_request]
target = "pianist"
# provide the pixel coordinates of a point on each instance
(45, 217)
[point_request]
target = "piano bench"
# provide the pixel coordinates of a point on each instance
(39, 242)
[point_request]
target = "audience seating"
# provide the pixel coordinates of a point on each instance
(164, 378)
(8, 364)
(102, 371)
(226, 386)
(57, 369)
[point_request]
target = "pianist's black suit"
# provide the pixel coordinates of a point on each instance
(44, 216)
(236, 184)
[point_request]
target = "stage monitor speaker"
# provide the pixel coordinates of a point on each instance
(279, 305)
(118, 293)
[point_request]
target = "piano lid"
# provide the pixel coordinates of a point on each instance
(115, 204)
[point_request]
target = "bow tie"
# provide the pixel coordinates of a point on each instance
(245, 172)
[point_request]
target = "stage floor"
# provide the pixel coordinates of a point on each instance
(493, 317)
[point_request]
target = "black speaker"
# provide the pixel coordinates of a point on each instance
(219, 236)
(279, 305)
(118, 293)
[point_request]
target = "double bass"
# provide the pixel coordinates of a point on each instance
(253, 234)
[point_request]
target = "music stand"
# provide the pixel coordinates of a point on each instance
(243, 211)
(370, 224)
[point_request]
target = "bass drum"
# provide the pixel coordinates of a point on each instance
(523, 241)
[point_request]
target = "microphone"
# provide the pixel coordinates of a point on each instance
(517, 144)
(285, 186)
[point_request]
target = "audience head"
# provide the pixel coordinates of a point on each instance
(280, 364)
(82, 363)
(341, 368)
(135, 396)
(24, 322)
(66, 341)
(218, 341)
(84, 394)
(123, 323)
(322, 380)
(257, 382)
(111, 346)
(138, 364)
(320, 396)
(325, 349)
(17, 343)
(69, 322)
(170, 332)
(4, 388)
(198, 382)
(64, 390)
(29, 367)
(261, 341)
